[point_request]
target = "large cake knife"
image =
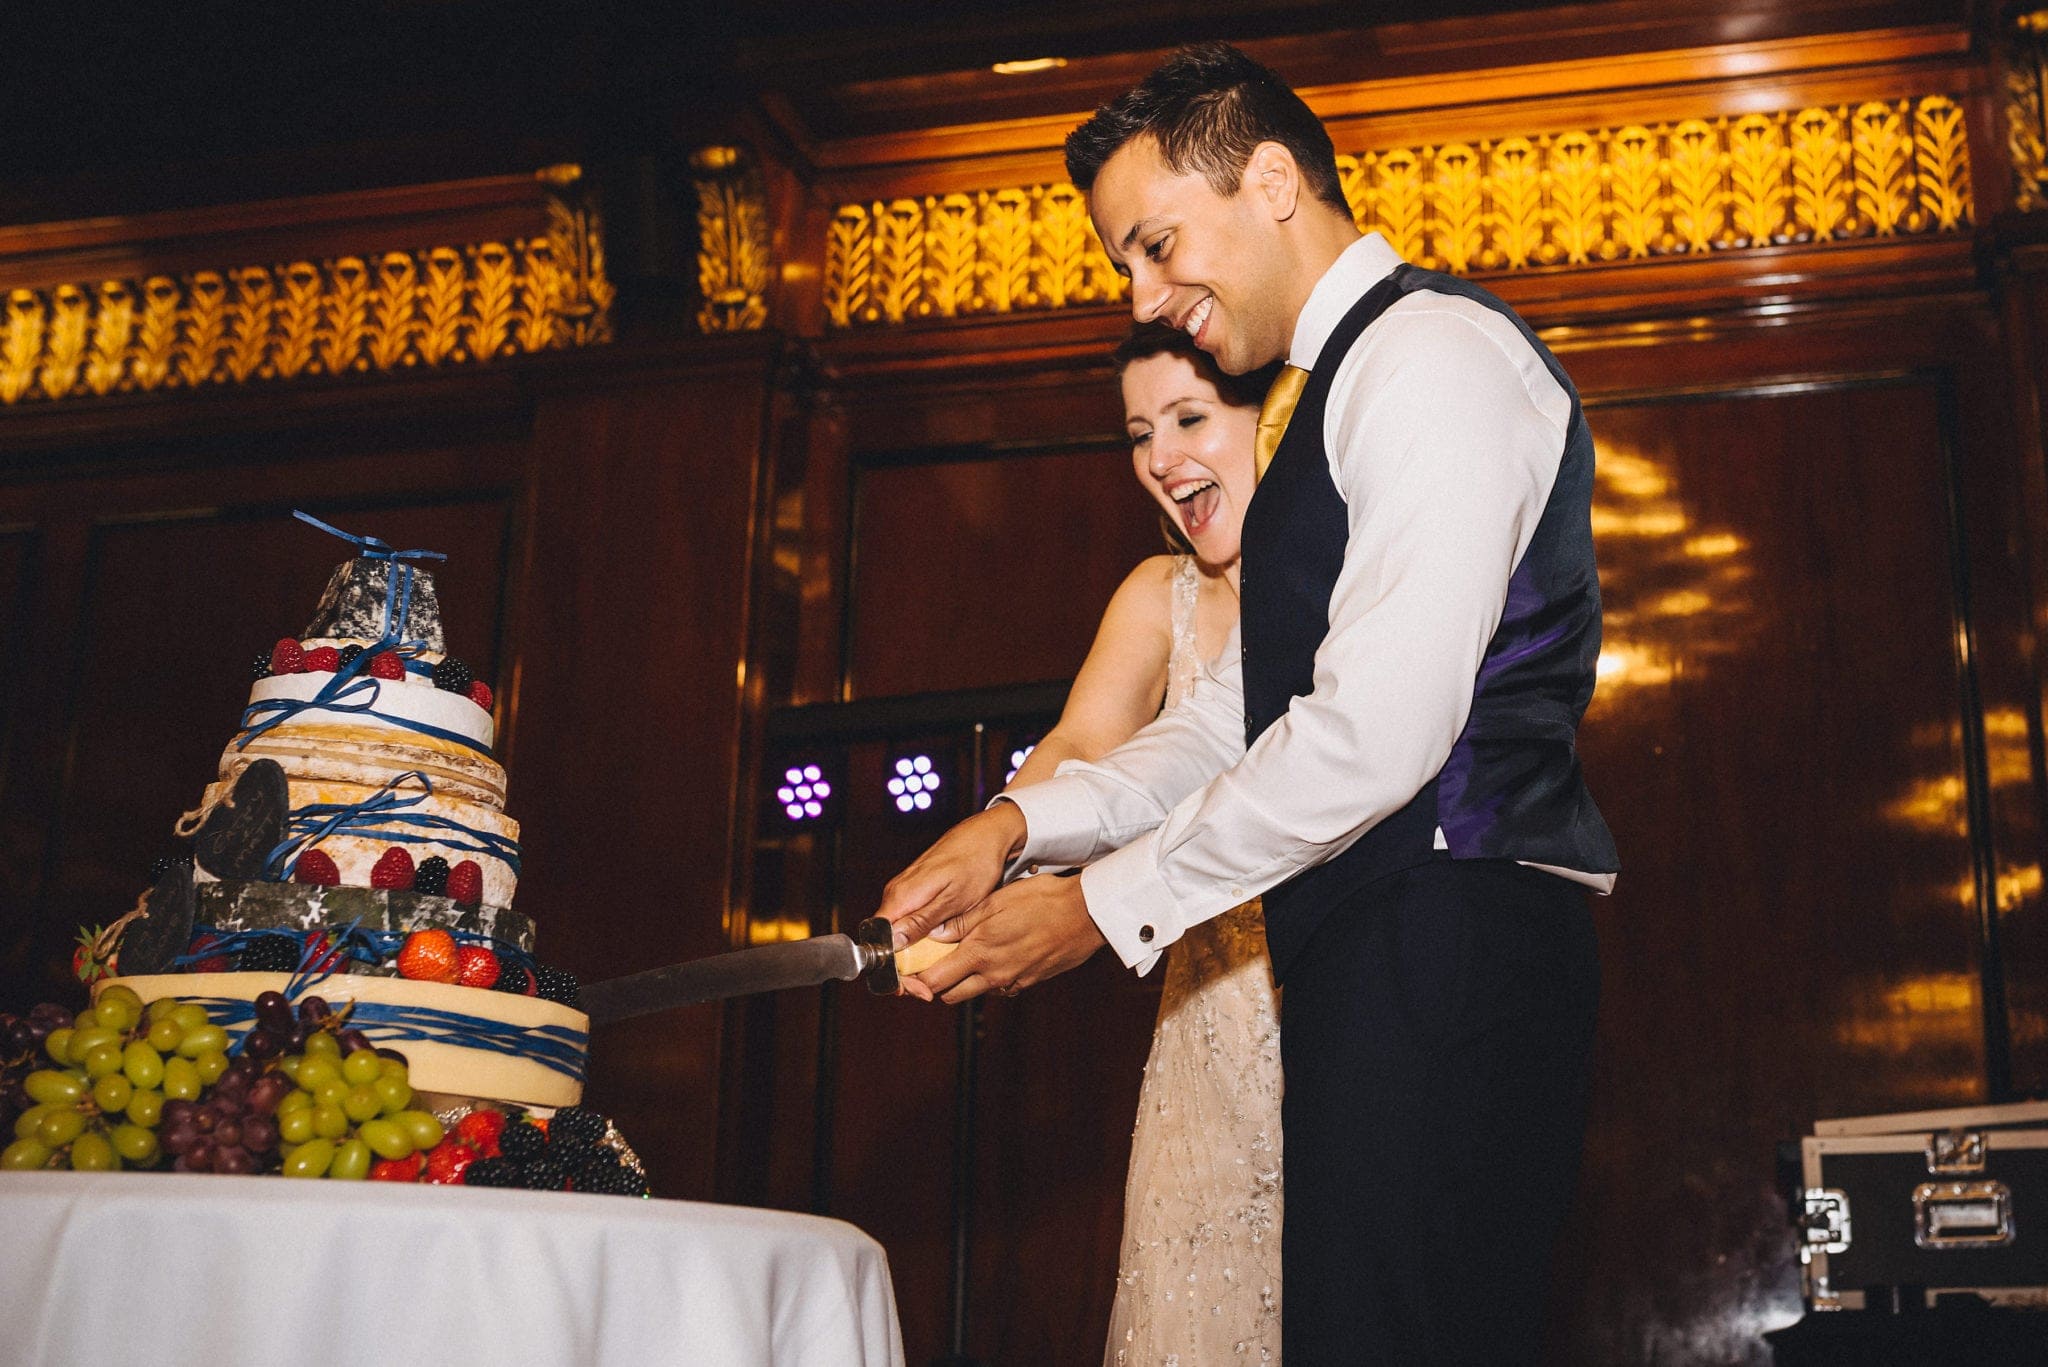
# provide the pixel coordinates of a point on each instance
(867, 954)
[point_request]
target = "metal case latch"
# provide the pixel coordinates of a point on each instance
(1956, 1215)
(1955, 1153)
(1825, 1222)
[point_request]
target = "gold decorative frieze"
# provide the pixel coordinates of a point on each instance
(2026, 114)
(732, 241)
(342, 315)
(1826, 174)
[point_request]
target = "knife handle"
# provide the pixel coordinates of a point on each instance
(885, 979)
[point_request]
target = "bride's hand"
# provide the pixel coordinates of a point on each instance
(961, 869)
(1019, 935)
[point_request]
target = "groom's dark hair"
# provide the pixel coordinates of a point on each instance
(1208, 106)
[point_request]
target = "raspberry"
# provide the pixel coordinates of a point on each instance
(323, 955)
(522, 1143)
(393, 869)
(447, 1161)
(387, 664)
(480, 694)
(517, 980)
(211, 963)
(398, 1169)
(453, 676)
(466, 883)
(431, 877)
(475, 966)
(480, 1130)
(286, 657)
(558, 985)
(428, 956)
(261, 668)
(324, 660)
(347, 656)
(316, 867)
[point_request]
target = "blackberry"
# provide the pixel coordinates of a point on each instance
(522, 1143)
(578, 1124)
(271, 954)
(493, 1172)
(559, 985)
(261, 669)
(453, 675)
(611, 1179)
(512, 978)
(431, 876)
(166, 862)
(349, 654)
(548, 1174)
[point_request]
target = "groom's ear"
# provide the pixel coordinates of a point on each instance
(1272, 174)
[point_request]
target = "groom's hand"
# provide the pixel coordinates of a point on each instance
(960, 870)
(1017, 936)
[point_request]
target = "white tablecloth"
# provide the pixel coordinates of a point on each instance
(169, 1269)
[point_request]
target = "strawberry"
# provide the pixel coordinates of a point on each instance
(211, 963)
(324, 660)
(480, 1130)
(387, 664)
(286, 657)
(466, 883)
(316, 867)
(475, 966)
(398, 1169)
(428, 956)
(446, 1161)
(480, 694)
(86, 961)
(393, 869)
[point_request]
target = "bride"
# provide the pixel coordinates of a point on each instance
(1198, 1277)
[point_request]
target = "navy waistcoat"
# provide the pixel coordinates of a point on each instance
(1511, 788)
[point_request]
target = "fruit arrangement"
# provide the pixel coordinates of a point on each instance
(290, 656)
(121, 1085)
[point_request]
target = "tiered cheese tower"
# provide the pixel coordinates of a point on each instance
(358, 804)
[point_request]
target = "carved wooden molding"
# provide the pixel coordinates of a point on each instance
(732, 241)
(1825, 174)
(382, 309)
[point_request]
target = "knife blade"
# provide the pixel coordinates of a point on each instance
(869, 952)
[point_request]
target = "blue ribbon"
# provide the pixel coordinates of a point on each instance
(556, 1047)
(345, 692)
(395, 561)
(376, 816)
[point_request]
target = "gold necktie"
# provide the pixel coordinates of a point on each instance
(1274, 413)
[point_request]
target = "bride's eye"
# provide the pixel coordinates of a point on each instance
(1192, 419)
(1140, 438)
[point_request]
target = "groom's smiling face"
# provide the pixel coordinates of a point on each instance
(1211, 265)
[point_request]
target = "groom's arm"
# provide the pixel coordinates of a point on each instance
(1446, 432)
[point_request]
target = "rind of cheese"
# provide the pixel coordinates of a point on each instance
(354, 754)
(355, 855)
(431, 1066)
(412, 698)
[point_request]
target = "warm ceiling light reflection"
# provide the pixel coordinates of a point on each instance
(1714, 546)
(2015, 886)
(1931, 804)
(1026, 67)
(1911, 1019)
(1655, 523)
(1627, 665)
(1684, 603)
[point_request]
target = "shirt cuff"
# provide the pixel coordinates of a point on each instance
(1131, 903)
(1060, 824)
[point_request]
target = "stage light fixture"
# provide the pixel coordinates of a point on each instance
(913, 783)
(803, 792)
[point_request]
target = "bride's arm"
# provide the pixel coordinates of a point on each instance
(1123, 680)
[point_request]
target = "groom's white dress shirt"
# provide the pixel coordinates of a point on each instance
(1444, 430)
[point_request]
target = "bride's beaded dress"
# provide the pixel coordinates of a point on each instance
(1198, 1280)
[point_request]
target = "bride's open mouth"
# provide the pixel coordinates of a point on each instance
(1198, 504)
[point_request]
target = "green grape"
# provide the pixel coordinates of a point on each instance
(329, 1120)
(119, 1008)
(324, 1045)
(146, 1108)
(91, 1152)
(88, 1019)
(181, 1079)
(111, 1093)
(29, 1121)
(160, 1009)
(332, 1093)
(134, 1143)
(143, 1065)
(309, 1159)
(295, 1101)
(394, 1094)
(360, 1104)
(24, 1155)
(289, 1066)
(190, 1016)
(387, 1138)
(165, 1035)
(391, 1067)
(422, 1126)
(362, 1067)
(351, 1161)
(55, 1088)
(84, 1041)
(58, 1045)
(103, 1060)
(211, 1065)
(315, 1071)
(60, 1127)
(295, 1127)
(205, 1040)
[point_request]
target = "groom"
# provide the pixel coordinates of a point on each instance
(1389, 759)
